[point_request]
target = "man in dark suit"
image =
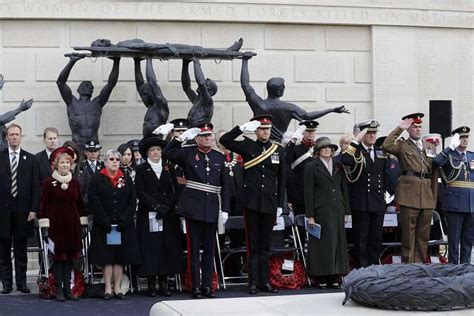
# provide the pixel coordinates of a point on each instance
(19, 202)
(50, 139)
(262, 193)
(367, 165)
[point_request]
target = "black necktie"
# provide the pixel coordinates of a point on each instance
(14, 166)
(369, 151)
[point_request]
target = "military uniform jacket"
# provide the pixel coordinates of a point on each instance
(195, 204)
(263, 187)
(294, 183)
(413, 191)
(368, 192)
(459, 194)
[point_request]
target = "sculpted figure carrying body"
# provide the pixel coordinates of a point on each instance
(84, 113)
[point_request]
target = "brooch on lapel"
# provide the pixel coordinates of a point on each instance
(196, 157)
(121, 182)
(54, 183)
(24, 157)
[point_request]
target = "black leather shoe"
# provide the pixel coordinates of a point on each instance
(152, 288)
(120, 296)
(7, 290)
(253, 289)
(107, 296)
(268, 289)
(197, 293)
(24, 290)
(207, 292)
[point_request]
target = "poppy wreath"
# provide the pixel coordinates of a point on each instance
(293, 281)
(48, 290)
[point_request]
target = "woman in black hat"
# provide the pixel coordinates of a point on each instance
(158, 225)
(327, 203)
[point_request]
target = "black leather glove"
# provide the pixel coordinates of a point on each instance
(121, 226)
(161, 211)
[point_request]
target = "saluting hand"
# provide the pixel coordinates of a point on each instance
(406, 123)
(164, 129)
(249, 127)
(189, 134)
(298, 135)
(455, 141)
(360, 135)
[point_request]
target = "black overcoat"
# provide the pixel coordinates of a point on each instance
(112, 205)
(161, 252)
(327, 200)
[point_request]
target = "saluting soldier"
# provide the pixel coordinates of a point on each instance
(365, 166)
(458, 200)
(262, 193)
(297, 156)
(170, 131)
(202, 199)
(417, 188)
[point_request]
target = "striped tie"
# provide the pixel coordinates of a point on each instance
(14, 190)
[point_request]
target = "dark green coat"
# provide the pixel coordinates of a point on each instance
(327, 200)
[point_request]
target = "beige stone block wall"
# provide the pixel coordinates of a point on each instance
(323, 66)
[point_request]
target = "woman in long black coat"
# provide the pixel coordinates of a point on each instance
(112, 200)
(326, 203)
(161, 251)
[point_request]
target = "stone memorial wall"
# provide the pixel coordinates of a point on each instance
(379, 60)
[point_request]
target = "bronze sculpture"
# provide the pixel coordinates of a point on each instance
(203, 105)
(281, 111)
(10, 115)
(84, 113)
(157, 106)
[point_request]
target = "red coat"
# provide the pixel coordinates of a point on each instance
(63, 208)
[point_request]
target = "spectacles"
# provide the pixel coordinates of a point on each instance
(114, 159)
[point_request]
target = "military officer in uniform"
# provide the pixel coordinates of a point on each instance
(365, 166)
(297, 156)
(262, 193)
(458, 199)
(417, 188)
(92, 164)
(203, 199)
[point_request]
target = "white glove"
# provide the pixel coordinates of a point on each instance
(298, 135)
(189, 134)
(225, 217)
(164, 129)
(279, 211)
(249, 127)
(454, 141)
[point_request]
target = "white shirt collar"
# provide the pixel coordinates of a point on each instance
(367, 147)
(10, 151)
(328, 164)
(48, 153)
